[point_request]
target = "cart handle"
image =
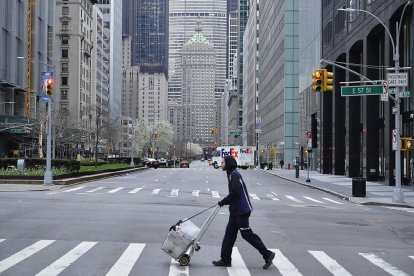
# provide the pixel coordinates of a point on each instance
(173, 227)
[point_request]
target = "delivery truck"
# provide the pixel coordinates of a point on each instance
(244, 155)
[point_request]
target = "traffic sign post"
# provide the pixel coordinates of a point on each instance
(394, 139)
(384, 95)
(235, 132)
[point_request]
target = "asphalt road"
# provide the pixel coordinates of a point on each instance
(116, 226)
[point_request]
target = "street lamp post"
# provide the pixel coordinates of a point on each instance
(398, 195)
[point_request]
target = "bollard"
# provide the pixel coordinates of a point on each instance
(288, 166)
(297, 171)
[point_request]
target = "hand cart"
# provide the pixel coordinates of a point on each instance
(180, 246)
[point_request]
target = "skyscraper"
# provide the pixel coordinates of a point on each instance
(198, 65)
(146, 21)
(183, 18)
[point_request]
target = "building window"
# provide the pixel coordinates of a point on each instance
(65, 53)
(63, 94)
(65, 10)
(64, 81)
(65, 25)
(355, 4)
(65, 40)
(64, 68)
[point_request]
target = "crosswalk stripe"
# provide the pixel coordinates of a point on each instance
(66, 260)
(177, 270)
(333, 201)
(330, 264)
(254, 196)
(238, 267)
(274, 193)
(96, 189)
(115, 190)
(196, 193)
(314, 200)
(1, 240)
(383, 264)
(272, 197)
(215, 194)
(412, 257)
(156, 191)
(125, 263)
(23, 254)
(286, 268)
(174, 192)
(134, 191)
(293, 199)
(74, 189)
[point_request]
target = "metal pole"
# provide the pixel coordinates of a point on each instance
(48, 177)
(308, 179)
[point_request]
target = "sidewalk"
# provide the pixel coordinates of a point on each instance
(377, 193)
(37, 185)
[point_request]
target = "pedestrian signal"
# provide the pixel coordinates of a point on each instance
(49, 87)
(406, 143)
(317, 80)
(327, 81)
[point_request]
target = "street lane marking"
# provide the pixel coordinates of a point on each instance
(259, 184)
(23, 254)
(134, 191)
(174, 192)
(74, 189)
(215, 194)
(125, 263)
(254, 196)
(293, 199)
(206, 181)
(177, 270)
(115, 190)
(1, 240)
(156, 191)
(314, 200)
(196, 193)
(333, 201)
(409, 210)
(94, 190)
(272, 197)
(286, 268)
(330, 264)
(66, 260)
(238, 267)
(412, 257)
(274, 193)
(383, 264)
(156, 180)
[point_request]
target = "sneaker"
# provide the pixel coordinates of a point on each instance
(221, 263)
(269, 260)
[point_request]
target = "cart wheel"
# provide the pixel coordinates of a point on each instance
(184, 260)
(197, 247)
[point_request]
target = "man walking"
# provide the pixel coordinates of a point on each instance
(240, 209)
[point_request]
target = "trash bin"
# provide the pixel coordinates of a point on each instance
(359, 186)
(21, 164)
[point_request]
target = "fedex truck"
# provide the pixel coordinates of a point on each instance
(243, 155)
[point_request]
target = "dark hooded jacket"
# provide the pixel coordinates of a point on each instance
(238, 197)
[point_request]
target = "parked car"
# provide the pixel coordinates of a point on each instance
(184, 164)
(163, 161)
(152, 163)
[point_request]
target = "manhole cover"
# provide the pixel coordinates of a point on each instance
(352, 223)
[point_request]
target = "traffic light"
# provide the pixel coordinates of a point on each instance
(406, 143)
(327, 81)
(317, 80)
(49, 87)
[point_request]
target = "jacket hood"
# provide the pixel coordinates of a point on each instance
(231, 164)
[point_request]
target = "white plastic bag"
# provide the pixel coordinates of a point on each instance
(188, 230)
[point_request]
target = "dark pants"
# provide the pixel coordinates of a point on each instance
(241, 223)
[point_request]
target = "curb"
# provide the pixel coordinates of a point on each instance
(342, 196)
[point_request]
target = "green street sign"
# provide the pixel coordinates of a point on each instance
(403, 94)
(18, 130)
(235, 132)
(361, 90)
